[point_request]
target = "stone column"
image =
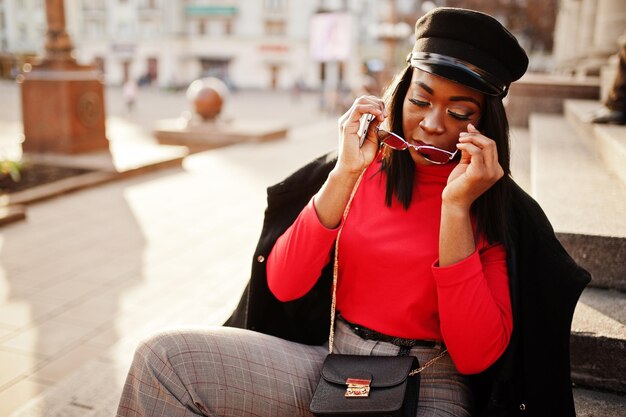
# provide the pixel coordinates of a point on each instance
(62, 101)
(565, 50)
(586, 28)
(58, 44)
(610, 24)
(587, 62)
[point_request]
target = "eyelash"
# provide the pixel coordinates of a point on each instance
(457, 116)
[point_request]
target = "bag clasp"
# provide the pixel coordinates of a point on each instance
(357, 388)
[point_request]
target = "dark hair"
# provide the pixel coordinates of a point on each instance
(489, 209)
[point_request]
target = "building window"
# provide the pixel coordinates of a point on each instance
(275, 5)
(93, 29)
(149, 4)
(228, 27)
(98, 62)
(275, 27)
(94, 5)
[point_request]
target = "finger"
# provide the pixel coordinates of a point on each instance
(373, 101)
(472, 128)
(369, 100)
(486, 168)
(361, 109)
(488, 146)
(473, 153)
(356, 102)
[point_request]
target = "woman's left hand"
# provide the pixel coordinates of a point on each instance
(477, 171)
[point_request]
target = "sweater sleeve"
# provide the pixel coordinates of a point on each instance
(475, 308)
(299, 255)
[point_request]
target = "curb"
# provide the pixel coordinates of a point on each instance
(12, 214)
(13, 206)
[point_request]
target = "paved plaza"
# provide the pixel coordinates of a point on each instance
(90, 273)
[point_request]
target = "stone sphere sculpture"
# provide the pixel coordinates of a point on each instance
(207, 96)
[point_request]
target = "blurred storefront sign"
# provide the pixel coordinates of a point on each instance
(123, 48)
(273, 49)
(331, 37)
(193, 10)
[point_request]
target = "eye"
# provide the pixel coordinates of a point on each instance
(419, 103)
(458, 116)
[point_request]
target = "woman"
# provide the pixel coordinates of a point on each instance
(435, 249)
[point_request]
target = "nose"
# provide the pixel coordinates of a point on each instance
(433, 121)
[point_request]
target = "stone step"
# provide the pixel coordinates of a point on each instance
(582, 199)
(603, 256)
(546, 93)
(609, 141)
(596, 403)
(598, 340)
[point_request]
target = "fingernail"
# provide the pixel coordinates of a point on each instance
(463, 133)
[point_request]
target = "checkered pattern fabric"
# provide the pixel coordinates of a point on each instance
(224, 371)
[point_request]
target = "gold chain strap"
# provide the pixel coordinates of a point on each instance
(430, 362)
(333, 304)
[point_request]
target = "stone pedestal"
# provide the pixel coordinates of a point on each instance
(202, 135)
(62, 101)
(63, 110)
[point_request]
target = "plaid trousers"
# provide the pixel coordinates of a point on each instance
(223, 371)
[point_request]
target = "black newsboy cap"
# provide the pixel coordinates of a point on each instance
(468, 47)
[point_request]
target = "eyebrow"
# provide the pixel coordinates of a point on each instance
(425, 87)
(430, 91)
(464, 98)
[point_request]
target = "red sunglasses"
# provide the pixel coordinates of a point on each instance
(430, 153)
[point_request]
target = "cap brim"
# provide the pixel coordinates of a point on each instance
(458, 70)
(457, 75)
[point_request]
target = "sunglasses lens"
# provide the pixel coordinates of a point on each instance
(434, 155)
(391, 140)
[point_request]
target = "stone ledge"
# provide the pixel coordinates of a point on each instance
(603, 256)
(544, 93)
(56, 188)
(122, 162)
(12, 214)
(608, 141)
(597, 403)
(201, 136)
(598, 340)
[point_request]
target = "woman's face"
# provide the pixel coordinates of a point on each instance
(436, 110)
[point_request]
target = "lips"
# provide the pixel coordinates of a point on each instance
(420, 143)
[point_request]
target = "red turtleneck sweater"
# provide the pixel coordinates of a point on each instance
(389, 279)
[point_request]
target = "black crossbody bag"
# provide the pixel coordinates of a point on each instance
(359, 385)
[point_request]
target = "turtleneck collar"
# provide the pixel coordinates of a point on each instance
(434, 170)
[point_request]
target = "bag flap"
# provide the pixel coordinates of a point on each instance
(384, 371)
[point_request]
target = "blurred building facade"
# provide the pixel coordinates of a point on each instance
(250, 44)
(22, 30)
(246, 43)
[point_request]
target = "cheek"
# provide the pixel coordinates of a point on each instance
(410, 120)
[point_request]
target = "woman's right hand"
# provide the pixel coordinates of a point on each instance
(353, 159)
(332, 198)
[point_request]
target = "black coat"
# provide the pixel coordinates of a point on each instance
(531, 378)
